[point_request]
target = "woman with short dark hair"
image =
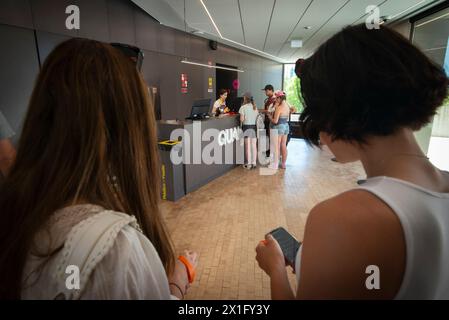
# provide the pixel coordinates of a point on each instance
(365, 92)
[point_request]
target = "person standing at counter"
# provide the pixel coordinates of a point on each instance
(7, 150)
(268, 107)
(280, 129)
(269, 101)
(220, 105)
(248, 117)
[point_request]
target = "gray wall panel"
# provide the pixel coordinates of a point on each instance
(16, 12)
(47, 42)
(151, 69)
(19, 68)
(147, 31)
(121, 22)
(50, 16)
(94, 20)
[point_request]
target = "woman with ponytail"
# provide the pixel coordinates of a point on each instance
(248, 117)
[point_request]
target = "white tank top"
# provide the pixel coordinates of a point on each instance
(424, 216)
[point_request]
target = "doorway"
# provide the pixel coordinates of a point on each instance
(228, 80)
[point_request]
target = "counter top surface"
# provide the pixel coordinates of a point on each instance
(183, 122)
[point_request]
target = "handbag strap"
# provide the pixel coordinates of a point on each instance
(86, 245)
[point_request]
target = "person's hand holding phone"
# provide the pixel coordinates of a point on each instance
(269, 255)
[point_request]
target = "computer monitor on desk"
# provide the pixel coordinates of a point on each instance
(200, 109)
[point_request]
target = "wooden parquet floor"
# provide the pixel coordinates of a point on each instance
(224, 220)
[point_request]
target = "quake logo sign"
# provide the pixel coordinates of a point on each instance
(228, 136)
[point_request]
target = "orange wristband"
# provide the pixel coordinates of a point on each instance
(189, 268)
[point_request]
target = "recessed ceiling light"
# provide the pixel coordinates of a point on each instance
(197, 32)
(308, 27)
(296, 43)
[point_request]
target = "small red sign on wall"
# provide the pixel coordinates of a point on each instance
(184, 83)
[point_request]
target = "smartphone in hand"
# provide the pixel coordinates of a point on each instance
(289, 245)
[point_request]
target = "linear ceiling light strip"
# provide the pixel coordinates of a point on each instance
(210, 66)
(432, 20)
(210, 17)
(232, 41)
(408, 9)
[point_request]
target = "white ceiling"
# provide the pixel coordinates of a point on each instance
(266, 27)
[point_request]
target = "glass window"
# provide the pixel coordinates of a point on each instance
(431, 35)
(292, 87)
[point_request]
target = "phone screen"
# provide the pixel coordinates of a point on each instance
(288, 244)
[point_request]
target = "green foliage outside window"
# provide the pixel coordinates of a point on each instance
(292, 87)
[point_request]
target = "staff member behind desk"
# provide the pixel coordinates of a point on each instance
(7, 150)
(220, 105)
(248, 117)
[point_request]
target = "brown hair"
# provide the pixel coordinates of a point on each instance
(89, 119)
(222, 92)
(247, 100)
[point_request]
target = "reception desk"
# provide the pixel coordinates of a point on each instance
(210, 147)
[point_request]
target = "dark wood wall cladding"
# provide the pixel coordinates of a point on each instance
(118, 21)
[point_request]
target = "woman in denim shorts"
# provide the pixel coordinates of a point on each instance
(279, 130)
(248, 117)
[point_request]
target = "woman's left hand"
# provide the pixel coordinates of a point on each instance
(179, 275)
(269, 256)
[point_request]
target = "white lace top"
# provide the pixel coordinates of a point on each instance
(126, 264)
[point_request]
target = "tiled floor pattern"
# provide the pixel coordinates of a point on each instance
(224, 220)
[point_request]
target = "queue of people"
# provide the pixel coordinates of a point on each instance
(276, 115)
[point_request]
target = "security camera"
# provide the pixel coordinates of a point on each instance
(385, 18)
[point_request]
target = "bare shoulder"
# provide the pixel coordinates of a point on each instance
(343, 237)
(355, 207)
